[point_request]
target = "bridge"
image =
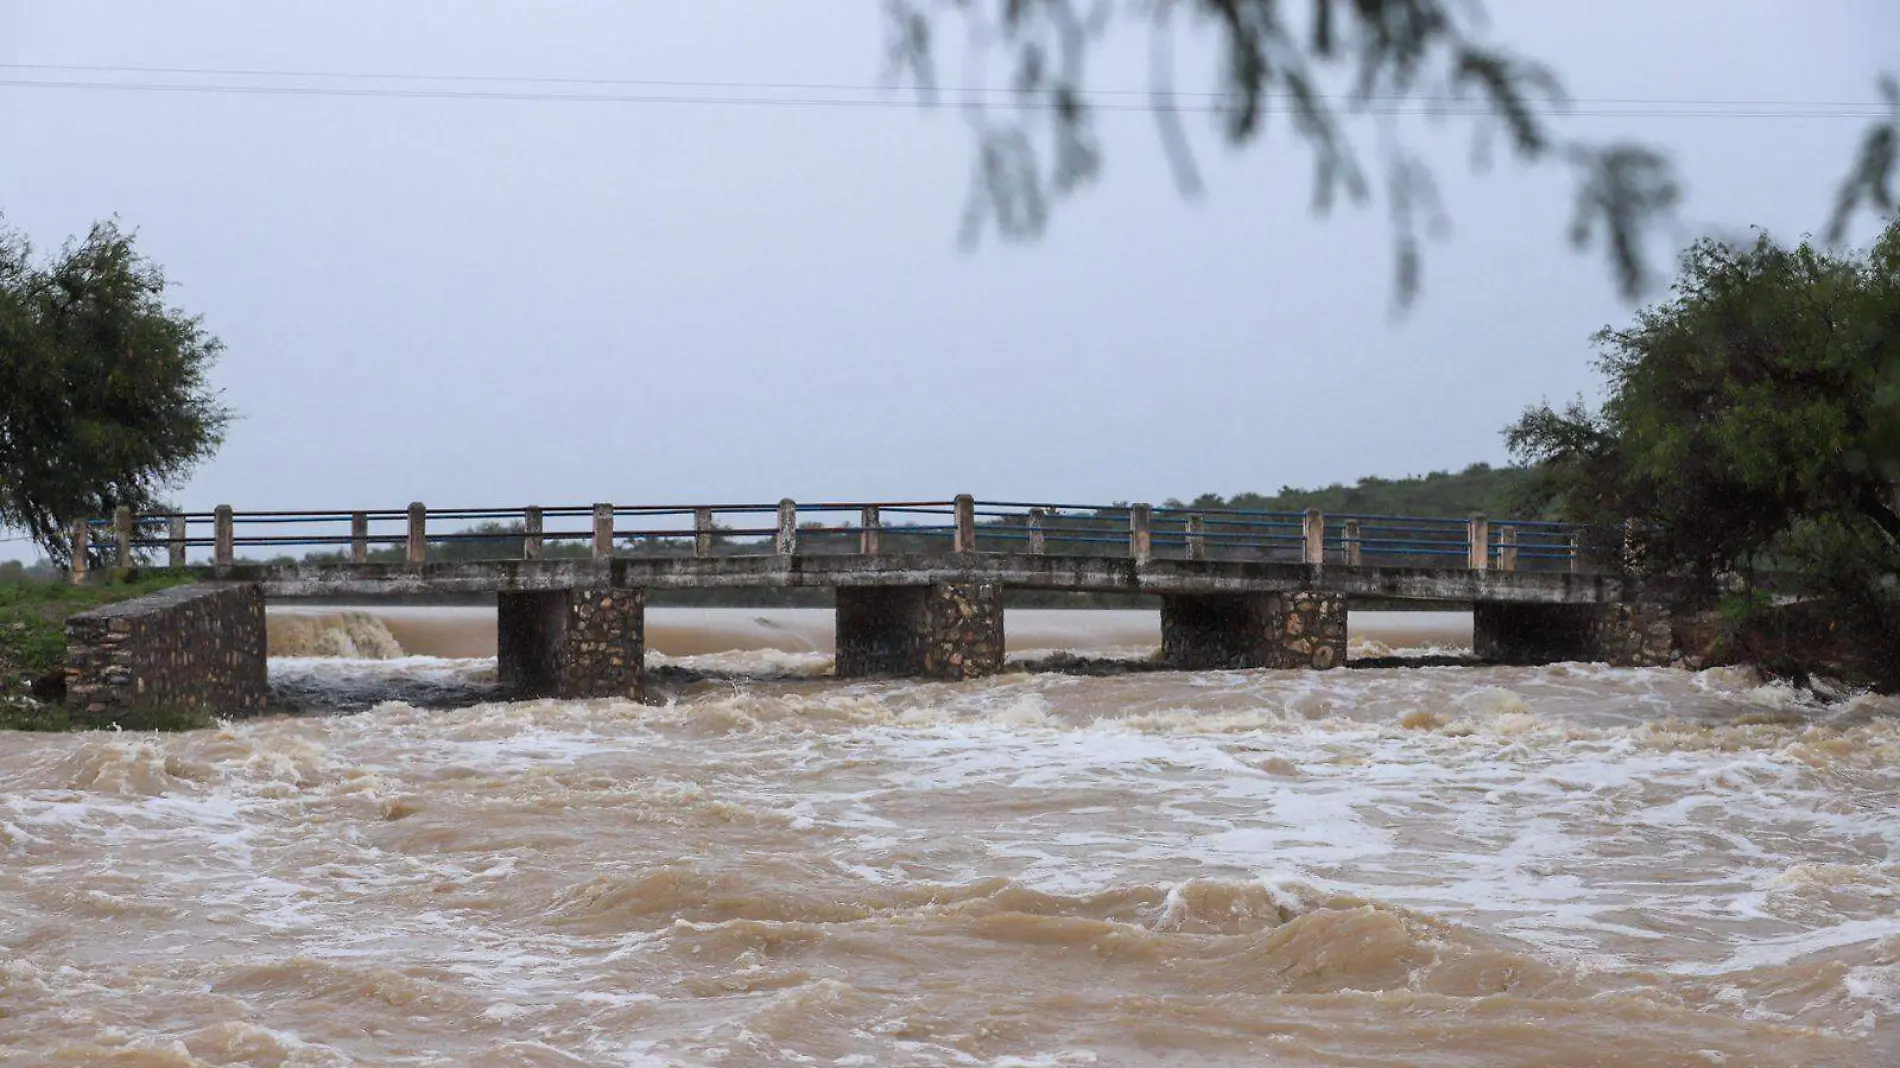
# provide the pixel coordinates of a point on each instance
(918, 584)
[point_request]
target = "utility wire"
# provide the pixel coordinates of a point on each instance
(490, 78)
(1034, 98)
(812, 86)
(1416, 106)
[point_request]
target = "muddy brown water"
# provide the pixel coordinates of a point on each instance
(1447, 866)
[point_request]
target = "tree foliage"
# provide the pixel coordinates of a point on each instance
(1873, 182)
(103, 395)
(1323, 64)
(1342, 73)
(1495, 491)
(1751, 419)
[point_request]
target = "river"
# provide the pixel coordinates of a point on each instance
(1424, 866)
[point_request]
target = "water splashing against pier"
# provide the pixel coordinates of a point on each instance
(1413, 866)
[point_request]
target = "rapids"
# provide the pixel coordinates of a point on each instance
(1435, 866)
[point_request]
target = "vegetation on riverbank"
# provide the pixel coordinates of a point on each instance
(1495, 491)
(1751, 427)
(33, 647)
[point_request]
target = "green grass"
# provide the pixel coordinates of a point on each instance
(19, 712)
(26, 714)
(33, 645)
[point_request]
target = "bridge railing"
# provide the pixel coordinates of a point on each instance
(417, 534)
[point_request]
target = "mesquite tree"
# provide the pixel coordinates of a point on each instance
(103, 393)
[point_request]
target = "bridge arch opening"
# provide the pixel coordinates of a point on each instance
(446, 652)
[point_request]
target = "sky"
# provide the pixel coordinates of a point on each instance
(500, 302)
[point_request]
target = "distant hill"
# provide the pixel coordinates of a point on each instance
(1495, 491)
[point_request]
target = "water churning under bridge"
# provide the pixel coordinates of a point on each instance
(1557, 866)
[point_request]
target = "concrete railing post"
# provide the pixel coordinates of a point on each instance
(603, 531)
(81, 547)
(175, 542)
(122, 536)
(1507, 548)
(702, 532)
(1478, 542)
(964, 540)
(359, 537)
(787, 540)
(223, 536)
(1313, 534)
(1196, 538)
(1033, 525)
(533, 525)
(1141, 545)
(418, 532)
(870, 526)
(1576, 553)
(1355, 555)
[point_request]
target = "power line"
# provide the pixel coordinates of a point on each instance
(1593, 105)
(1419, 106)
(488, 78)
(819, 86)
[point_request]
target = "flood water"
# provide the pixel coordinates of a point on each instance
(1440, 866)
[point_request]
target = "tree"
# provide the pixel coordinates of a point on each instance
(1873, 182)
(1328, 66)
(103, 396)
(1751, 419)
(1478, 488)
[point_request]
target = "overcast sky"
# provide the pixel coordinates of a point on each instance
(474, 302)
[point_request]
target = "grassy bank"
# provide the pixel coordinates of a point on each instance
(33, 646)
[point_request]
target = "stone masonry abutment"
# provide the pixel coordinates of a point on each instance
(195, 649)
(571, 643)
(1253, 630)
(944, 631)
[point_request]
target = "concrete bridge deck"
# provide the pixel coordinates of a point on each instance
(1080, 574)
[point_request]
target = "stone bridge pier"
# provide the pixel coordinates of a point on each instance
(945, 631)
(1206, 631)
(572, 643)
(1631, 634)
